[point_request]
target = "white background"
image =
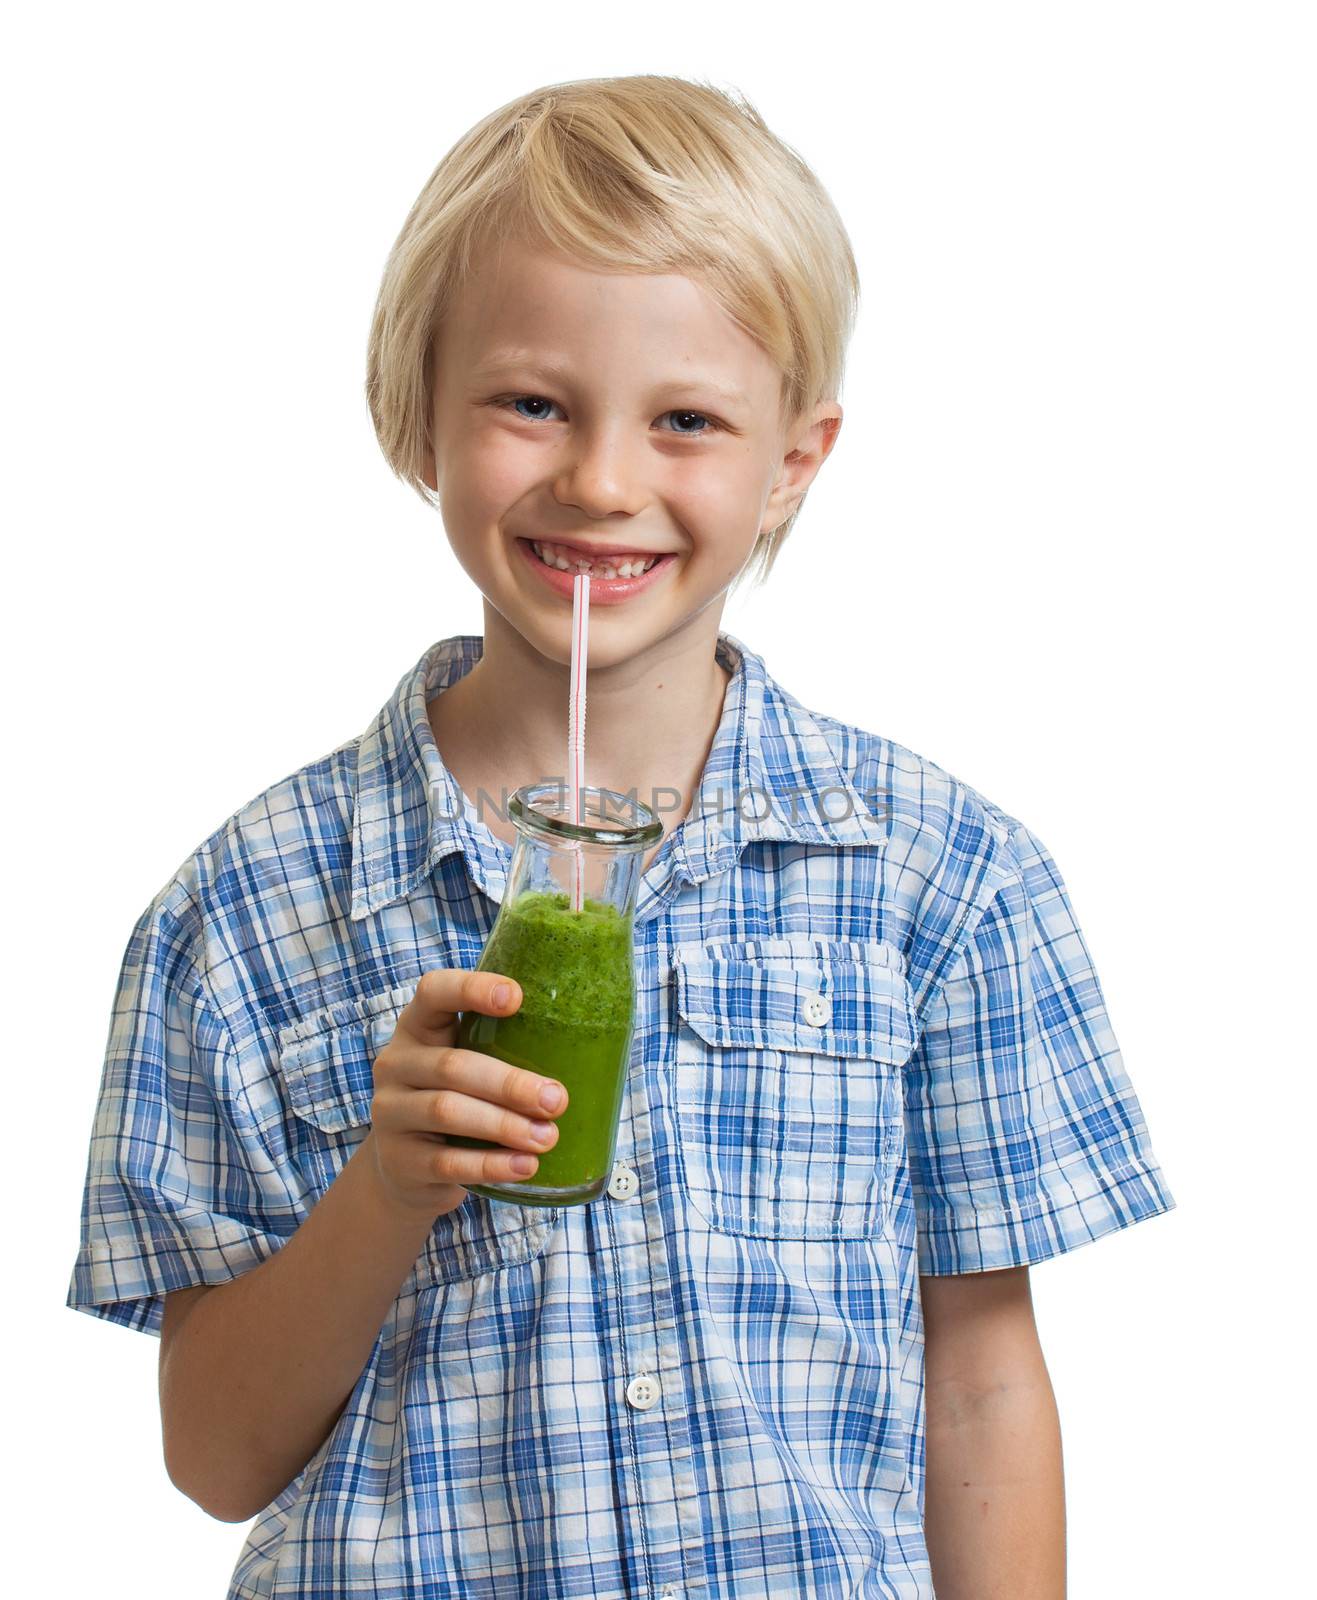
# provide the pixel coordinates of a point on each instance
(1060, 550)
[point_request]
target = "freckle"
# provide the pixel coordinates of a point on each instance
(965, 1485)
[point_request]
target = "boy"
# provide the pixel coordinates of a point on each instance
(790, 1351)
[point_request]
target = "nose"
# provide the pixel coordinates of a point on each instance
(598, 476)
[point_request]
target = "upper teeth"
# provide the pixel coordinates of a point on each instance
(606, 567)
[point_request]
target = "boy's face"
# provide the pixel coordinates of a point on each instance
(602, 409)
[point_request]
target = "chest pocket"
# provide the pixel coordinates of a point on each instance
(788, 1083)
(327, 1062)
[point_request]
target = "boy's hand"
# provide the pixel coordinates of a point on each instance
(425, 1087)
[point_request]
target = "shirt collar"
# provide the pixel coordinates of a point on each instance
(771, 773)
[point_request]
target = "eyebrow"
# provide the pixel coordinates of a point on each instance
(557, 372)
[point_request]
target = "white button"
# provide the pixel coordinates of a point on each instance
(669, 1591)
(624, 1184)
(816, 1010)
(643, 1392)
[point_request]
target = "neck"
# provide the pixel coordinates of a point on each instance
(650, 719)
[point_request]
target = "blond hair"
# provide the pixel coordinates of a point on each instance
(633, 174)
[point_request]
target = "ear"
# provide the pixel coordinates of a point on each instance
(808, 443)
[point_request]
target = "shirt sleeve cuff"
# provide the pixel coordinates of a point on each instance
(123, 1276)
(1071, 1206)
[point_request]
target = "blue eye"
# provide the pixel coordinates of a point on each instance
(518, 400)
(699, 417)
(535, 399)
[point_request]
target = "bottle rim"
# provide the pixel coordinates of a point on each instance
(526, 808)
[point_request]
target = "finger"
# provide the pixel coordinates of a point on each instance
(444, 991)
(481, 1076)
(449, 1163)
(420, 1162)
(448, 1111)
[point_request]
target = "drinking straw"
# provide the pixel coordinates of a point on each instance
(576, 722)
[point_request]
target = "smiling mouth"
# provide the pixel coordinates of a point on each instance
(566, 559)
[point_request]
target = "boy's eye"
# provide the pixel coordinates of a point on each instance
(540, 404)
(527, 399)
(692, 416)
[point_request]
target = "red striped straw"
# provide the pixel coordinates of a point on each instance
(576, 721)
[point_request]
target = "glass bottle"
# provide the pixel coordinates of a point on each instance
(577, 975)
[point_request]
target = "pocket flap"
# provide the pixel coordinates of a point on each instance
(764, 994)
(328, 1059)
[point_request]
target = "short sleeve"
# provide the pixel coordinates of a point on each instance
(1025, 1136)
(180, 1189)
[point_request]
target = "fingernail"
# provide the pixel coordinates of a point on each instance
(502, 994)
(551, 1097)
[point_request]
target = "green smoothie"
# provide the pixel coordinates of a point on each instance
(574, 1024)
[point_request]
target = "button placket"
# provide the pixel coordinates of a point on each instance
(665, 1512)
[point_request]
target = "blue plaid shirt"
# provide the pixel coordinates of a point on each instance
(869, 1044)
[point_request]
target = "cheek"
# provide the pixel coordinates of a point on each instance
(723, 496)
(691, 475)
(489, 466)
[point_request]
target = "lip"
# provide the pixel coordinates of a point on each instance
(603, 591)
